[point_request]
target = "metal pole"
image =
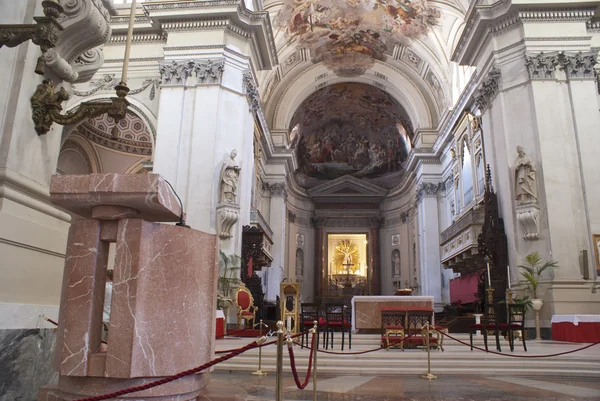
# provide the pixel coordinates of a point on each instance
(128, 43)
(315, 352)
(260, 372)
(278, 386)
(428, 375)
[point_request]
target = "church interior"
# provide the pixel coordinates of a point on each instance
(179, 178)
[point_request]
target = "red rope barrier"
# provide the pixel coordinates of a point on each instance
(179, 375)
(301, 386)
(520, 356)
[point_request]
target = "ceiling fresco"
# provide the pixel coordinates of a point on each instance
(350, 128)
(348, 36)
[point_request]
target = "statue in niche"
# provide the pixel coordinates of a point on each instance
(347, 258)
(299, 264)
(525, 186)
(396, 263)
(230, 175)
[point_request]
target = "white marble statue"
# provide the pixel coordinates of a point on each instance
(299, 265)
(230, 174)
(525, 185)
(396, 264)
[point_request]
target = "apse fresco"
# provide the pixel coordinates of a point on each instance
(348, 36)
(350, 128)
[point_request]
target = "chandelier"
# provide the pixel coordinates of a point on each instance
(348, 36)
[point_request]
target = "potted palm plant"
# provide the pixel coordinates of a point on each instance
(531, 271)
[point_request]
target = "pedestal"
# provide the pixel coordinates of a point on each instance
(163, 293)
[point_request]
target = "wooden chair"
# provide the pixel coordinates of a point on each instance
(309, 312)
(245, 304)
(516, 322)
(489, 323)
(338, 317)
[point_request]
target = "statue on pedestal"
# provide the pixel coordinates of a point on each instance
(230, 175)
(527, 209)
(525, 185)
(228, 210)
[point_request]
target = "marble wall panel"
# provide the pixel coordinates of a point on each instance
(26, 357)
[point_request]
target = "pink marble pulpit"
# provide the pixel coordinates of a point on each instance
(162, 318)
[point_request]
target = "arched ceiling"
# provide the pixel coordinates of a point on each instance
(415, 70)
(350, 128)
(348, 36)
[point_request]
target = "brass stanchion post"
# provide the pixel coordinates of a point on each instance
(260, 372)
(278, 385)
(428, 375)
(315, 329)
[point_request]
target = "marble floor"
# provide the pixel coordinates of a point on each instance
(243, 386)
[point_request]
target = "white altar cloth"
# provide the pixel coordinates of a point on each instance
(576, 319)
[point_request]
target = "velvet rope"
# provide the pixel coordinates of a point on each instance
(363, 352)
(179, 375)
(301, 386)
(520, 356)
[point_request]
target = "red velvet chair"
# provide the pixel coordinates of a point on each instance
(338, 317)
(245, 305)
(516, 322)
(489, 323)
(309, 312)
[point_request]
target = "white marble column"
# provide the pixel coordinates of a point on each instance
(429, 241)
(277, 222)
(204, 114)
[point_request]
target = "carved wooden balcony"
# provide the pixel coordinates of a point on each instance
(458, 243)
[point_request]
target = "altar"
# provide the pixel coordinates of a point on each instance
(366, 310)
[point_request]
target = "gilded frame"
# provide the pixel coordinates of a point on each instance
(596, 238)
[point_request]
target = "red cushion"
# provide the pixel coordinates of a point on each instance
(339, 324)
(243, 300)
(246, 314)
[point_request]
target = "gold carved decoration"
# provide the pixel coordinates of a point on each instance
(46, 107)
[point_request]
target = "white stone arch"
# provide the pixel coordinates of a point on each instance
(86, 147)
(398, 85)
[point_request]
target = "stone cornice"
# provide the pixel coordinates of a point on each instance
(218, 14)
(484, 22)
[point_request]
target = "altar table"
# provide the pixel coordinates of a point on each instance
(576, 328)
(366, 310)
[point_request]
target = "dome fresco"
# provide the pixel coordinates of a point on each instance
(350, 128)
(349, 36)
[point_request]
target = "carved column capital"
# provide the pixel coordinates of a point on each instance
(318, 222)
(291, 216)
(427, 189)
(489, 88)
(376, 221)
(278, 190)
(542, 66)
(251, 90)
(579, 65)
(178, 72)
